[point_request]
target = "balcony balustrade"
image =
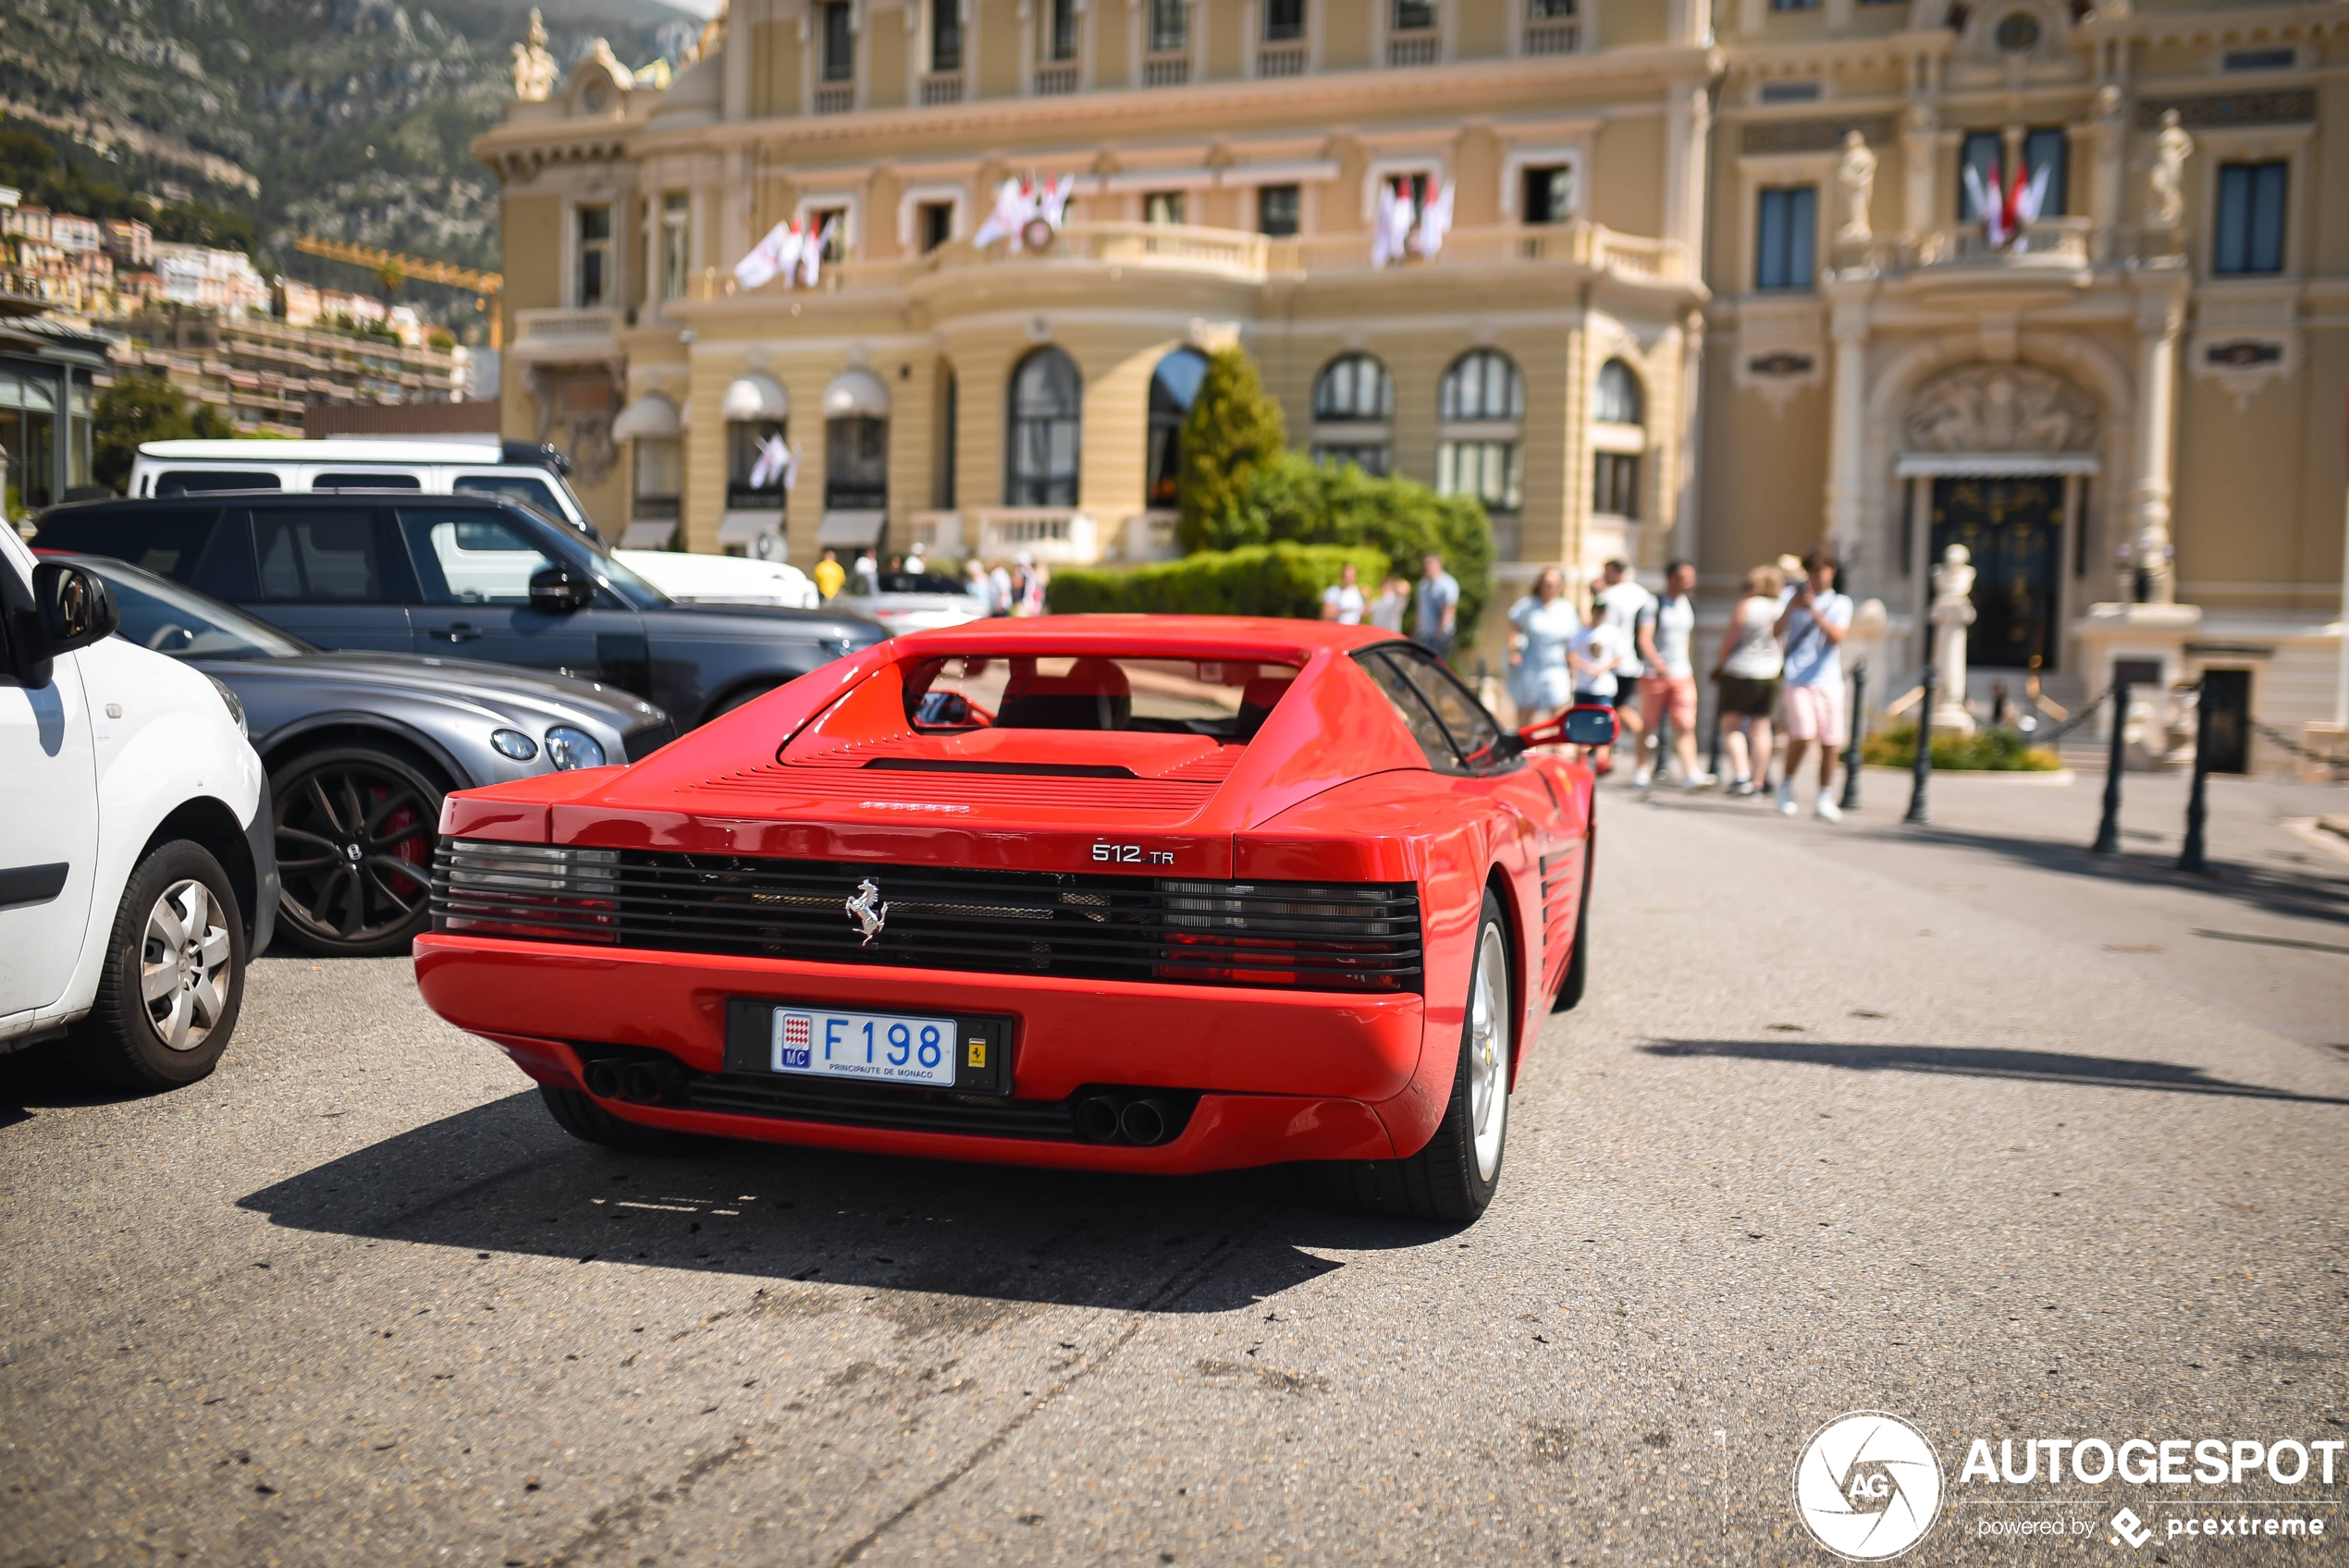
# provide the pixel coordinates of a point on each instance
(1415, 49)
(938, 89)
(1281, 59)
(1553, 38)
(1053, 81)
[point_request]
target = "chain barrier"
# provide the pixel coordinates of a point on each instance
(2277, 738)
(2050, 737)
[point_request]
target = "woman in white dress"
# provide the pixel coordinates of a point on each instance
(1540, 681)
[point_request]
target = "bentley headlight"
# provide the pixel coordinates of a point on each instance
(236, 709)
(514, 744)
(568, 748)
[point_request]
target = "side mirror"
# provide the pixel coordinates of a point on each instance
(945, 709)
(75, 606)
(1590, 725)
(558, 589)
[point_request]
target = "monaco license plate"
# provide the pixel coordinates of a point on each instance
(878, 1047)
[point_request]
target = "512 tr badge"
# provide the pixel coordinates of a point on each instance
(1132, 854)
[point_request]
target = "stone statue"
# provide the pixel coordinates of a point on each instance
(533, 67)
(1952, 613)
(1856, 176)
(2166, 173)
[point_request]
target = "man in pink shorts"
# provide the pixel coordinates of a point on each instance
(1668, 687)
(1813, 628)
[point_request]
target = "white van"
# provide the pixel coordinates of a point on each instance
(528, 471)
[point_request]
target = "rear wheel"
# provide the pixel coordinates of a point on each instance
(175, 973)
(1454, 1178)
(580, 1116)
(356, 827)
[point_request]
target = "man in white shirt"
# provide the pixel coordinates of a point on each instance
(1668, 689)
(1813, 627)
(1345, 604)
(1624, 599)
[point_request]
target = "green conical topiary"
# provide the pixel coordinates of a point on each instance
(1232, 429)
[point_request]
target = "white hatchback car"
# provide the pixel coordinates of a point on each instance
(138, 867)
(696, 579)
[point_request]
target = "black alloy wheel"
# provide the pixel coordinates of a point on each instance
(355, 834)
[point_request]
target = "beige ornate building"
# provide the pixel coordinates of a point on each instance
(2129, 406)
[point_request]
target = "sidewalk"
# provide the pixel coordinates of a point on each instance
(2265, 936)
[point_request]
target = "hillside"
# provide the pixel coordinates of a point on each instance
(270, 118)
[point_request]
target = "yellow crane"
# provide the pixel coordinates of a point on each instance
(395, 268)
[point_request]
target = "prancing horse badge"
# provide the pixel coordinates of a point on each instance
(871, 913)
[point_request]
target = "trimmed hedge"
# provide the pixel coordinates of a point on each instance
(1984, 751)
(1281, 579)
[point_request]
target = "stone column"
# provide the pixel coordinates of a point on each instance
(1920, 148)
(2161, 308)
(1847, 437)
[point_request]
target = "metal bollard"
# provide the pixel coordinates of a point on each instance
(1924, 775)
(2108, 830)
(2191, 858)
(1851, 801)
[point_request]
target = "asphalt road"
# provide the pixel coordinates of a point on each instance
(1826, 1135)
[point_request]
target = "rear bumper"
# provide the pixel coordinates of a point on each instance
(1281, 1076)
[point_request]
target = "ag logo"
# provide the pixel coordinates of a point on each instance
(1868, 1485)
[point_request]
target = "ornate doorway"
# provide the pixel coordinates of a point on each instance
(2014, 529)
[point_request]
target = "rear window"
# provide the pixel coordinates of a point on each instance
(1227, 700)
(366, 481)
(167, 541)
(201, 481)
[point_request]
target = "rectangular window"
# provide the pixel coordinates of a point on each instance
(2049, 149)
(1788, 234)
(1791, 92)
(832, 223)
(2262, 59)
(2249, 237)
(1284, 19)
(1548, 10)
(1794, 4)
(1163, 206)
(1615, 484)
(594, 256)
(1414, 16)
(935, 225)
(1276, 210)
(1488, 470)
(840, 42)
(329, 557)
(1170, 26)
(945, 35)
(1060, 41)
(471, 558)
(1549, 194)
(675, 256)
(1984, 152)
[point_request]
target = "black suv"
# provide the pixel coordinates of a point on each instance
(474, 577)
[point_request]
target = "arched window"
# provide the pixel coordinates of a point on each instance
(1353, 390)
(1174, 386)
(1045, 429)
(1619, 400)
(1480, 403)
(1482, 384)
(1617, 441)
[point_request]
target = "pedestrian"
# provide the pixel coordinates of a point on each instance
(1541, 681)
(1668, 689)
(1745, 675)
(1812, 629)
(1394, 602)
(915, 563)
(866, 571)
(977, 584)
(829, 573)
(1344, 602)
(1625, 597)
(1438, 606)
(999, 590)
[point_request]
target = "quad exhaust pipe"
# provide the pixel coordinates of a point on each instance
(635, 1082)
(1143, 1119)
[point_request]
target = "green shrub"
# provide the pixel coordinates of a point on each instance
(1232, 429)
(1984, 751)
(1338, 504)
(1283, 580)
(144, 406)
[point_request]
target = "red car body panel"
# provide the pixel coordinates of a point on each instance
(1332, 789)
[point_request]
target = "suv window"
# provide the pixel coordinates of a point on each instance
(319, 555)
(470, 556)
(530, 493)
(366, 482)
(1472, 729)
(165, 540)
(1413, 710)
(198, 482)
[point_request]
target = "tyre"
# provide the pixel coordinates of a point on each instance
(1453, 1179)
(174, 976)
(580, 1115)
(356, 827)
(1578, 965)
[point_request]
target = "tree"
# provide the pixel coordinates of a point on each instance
(1234, 428)
(1338, 504)
(144, 406)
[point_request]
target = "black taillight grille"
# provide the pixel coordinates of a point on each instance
(1352, 937)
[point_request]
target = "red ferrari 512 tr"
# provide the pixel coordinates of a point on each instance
(1110, 893)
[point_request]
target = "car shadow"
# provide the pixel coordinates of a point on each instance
(43, 1077)
(502, 1178)
(1967, 1061)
